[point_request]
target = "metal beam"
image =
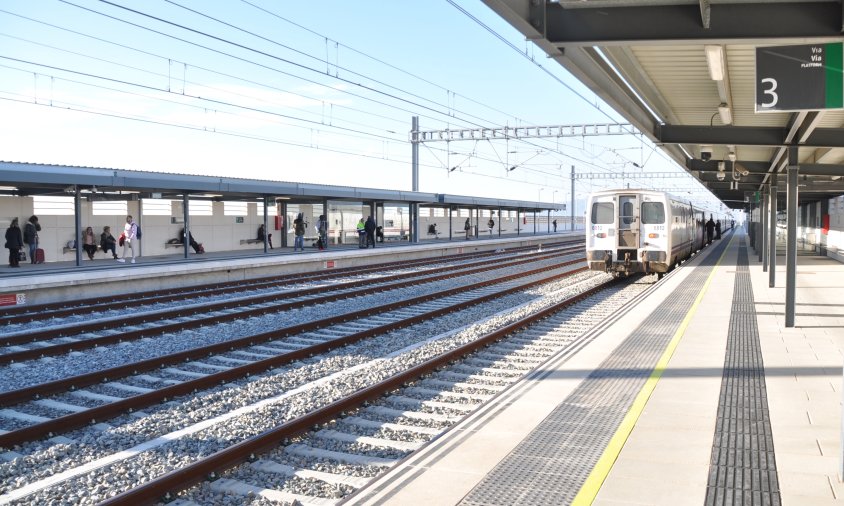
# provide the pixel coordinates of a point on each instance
(806, 169)
(743, 23)
(744, 136)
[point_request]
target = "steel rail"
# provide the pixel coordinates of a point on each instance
(116, 408)
(67, 347)
(23, 314)
(168, 485)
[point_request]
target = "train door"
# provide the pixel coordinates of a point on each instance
(628, 223)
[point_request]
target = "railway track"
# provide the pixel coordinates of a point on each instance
(92, 332)
(212, 365)
(86, 306)
(410, 415)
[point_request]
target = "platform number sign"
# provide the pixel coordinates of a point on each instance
(799, 78)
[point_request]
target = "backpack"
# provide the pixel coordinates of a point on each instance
(137, 231)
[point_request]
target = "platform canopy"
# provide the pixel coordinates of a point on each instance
(684, 72)
(95, 183)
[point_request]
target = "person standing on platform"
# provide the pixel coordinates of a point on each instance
(260, 237)
(369, 227)
(718, 230)
(710, 230)
(30, 235)
(299, 227)
(555, 225)
(108, 242)
(490, 225)
(322, 230)
(14, 243)
(129, 237)
(468, 228)
(361, 226)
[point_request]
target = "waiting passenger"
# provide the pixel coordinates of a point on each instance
(555, 225)
(468, 228)
(361, 227)
(30, 236)
(108, 242)
(322, 230)
(128, 238)
(432, 230)
(379, 233)
(261, 232)
(718, 230)
(89, 242)
(710, 230)
(299, 227)
(14, 243)
(197, 247)
(369, 227)
(490, 225)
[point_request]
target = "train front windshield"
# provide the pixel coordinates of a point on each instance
(602, 213)
(653, 213)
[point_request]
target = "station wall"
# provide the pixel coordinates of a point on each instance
(219, 231)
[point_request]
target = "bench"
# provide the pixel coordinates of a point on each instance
(73, 250)
(251, 241)
(173, 245)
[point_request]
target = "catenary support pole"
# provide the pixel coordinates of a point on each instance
(414, 207)
(572, 198)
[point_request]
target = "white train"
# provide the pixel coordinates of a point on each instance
(643, 231)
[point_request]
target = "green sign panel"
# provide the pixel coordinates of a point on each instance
(799, 78)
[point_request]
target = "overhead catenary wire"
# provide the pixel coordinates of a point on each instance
(449, 113)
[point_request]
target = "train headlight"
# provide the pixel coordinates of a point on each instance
(600, 235)
(653, 236)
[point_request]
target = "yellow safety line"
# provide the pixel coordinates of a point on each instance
(602, 468)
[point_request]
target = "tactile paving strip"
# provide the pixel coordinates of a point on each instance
(550, 465)
(742, 468)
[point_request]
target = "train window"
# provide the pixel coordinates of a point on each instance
(602, 213)
(653, 213)
(627, 210)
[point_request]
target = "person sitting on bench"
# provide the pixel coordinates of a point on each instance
(261, 232)
(197, 247)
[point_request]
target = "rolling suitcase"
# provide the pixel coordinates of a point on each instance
(39, 256)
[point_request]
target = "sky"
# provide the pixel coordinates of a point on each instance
(315, 92)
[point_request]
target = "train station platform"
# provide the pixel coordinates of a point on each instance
(697, 394)
(57, 281)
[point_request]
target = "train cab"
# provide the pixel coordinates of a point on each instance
(635, 231)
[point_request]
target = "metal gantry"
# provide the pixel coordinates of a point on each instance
(531, 132)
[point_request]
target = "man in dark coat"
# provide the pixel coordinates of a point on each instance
(14, 242)
(369, 227)
(710, 229)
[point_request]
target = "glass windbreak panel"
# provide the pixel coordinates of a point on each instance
(434, 224)
(459, 218)
(396, 226)
(343, 218)
(653, 213)
(310, 213)
(602, 213)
